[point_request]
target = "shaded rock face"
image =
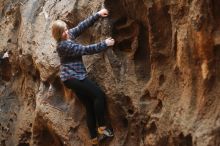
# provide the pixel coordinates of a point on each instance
(162, 77)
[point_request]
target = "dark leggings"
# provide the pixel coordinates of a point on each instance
(93, 98)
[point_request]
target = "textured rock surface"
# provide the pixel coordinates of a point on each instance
(162, 78)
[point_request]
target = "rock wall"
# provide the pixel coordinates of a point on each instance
(162, 77)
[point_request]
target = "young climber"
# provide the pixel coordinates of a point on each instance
(73, 73)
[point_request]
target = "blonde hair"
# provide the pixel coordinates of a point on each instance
(58, 27)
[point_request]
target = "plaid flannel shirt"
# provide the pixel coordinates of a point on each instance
(69, 48)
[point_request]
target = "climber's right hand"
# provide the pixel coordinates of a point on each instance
(103, 12)
(110, 42)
